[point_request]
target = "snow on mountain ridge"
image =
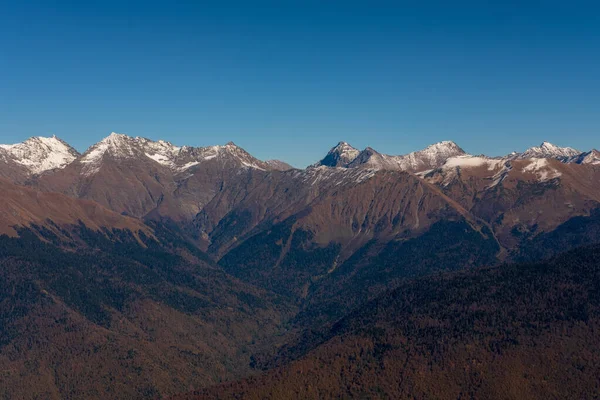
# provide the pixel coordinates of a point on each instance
(279, 165)
(542, 169)
(432, 156)
(176, 158)
(497, 167)
(590, 157)
(549, 150)
(40, 154)
(438, 154)
(339, 156)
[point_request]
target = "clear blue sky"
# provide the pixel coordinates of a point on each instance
(289, 79)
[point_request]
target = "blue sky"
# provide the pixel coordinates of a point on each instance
(289, 79)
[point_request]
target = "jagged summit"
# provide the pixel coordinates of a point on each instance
(339, 156)
(444, 147)
(432, 156)
(344, 155)
(589, 157)
(39, 154)
(120, 146)
(436, 155)
(549, 150)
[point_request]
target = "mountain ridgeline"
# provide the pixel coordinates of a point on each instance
(141, 269)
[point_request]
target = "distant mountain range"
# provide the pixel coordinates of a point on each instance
(210, 236)
(347, 211)
(40, 154)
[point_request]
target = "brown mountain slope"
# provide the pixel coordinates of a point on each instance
(143, 178)
(347, 206)
(521, 198)
(133, 187)
(221, 195)
(337, 245)
(21, 207)
(12, 171)
(512, 332)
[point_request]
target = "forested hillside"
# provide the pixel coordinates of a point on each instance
(510, 332)
(115, 318)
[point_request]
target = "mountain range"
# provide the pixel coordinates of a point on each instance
(148, 245)
(38, 155)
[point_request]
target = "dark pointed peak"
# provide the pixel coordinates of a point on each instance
(340, 155)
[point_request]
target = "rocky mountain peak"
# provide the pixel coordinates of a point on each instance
(39, 154)
(432, 156)
(444, 147)
(589, 157)
(178, 159)
(121, 146)
(340, 155)
(549, 150)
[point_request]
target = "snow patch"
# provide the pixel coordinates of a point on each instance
(542, 169)
(473, 162)
(189, 165)
(161, 159)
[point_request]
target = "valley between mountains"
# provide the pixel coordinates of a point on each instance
(142, 269)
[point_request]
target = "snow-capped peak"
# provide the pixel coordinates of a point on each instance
(115, 144)
(39, 154)
(121, 146)
(178, 159)
(433, 156)
(340, 155)
(549, 150)
(445, 147)
(589, 157)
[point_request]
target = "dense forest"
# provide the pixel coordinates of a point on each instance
(509, 332)
(111, 317)
(92, 314)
